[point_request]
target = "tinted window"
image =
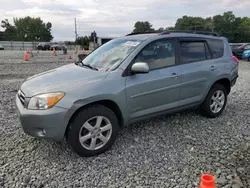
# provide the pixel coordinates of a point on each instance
(217, 47)
(193, 51)
(158, 54)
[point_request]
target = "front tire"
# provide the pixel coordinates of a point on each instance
(93, 130)
(215, 102)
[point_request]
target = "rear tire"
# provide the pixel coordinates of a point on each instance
(215, 102)
(95, 137)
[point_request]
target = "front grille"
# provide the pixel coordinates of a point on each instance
(21, 96)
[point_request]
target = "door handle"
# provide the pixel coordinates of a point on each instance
(212, 68)
(174, 75)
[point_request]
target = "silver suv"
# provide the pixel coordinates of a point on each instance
(124, 81)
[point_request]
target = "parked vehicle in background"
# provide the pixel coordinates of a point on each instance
(126, 80)
(238, 51)
(246, 55)
(235, 45)
(1, 47)
(43, 46)
(56, 47)
(59, 46)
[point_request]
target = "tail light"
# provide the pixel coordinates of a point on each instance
(235, 59)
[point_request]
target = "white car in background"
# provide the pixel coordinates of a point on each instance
(1, 47)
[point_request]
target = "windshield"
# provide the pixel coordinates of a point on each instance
(111, 54)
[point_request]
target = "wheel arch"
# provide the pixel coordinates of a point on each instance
(105, 102)
(225, 82)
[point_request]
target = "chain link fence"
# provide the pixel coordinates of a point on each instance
(21, 45)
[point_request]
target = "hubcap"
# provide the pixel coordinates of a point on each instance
(95, 133)
(217, 101)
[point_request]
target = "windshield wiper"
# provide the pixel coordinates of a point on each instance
(86, 65)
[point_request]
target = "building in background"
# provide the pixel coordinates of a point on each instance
(103, 40)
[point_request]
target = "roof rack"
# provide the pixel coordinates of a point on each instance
(152, 32)
(190, 31)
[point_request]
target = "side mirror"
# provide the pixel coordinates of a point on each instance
(140, 67)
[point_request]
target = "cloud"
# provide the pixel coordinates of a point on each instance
(114, 17)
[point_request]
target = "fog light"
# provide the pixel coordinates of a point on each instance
(41, 132)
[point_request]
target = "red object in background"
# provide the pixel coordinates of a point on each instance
(70, 57)
(54, 51)
(207, 181)
(25, 57)
(235, 59)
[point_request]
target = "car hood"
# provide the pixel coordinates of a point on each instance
(60, 79)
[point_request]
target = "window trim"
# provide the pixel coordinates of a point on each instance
(209, 50)
(204, 41)
(177, 60)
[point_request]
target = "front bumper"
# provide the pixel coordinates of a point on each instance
(48, 124)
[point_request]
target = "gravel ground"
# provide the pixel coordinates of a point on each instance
(171, 151)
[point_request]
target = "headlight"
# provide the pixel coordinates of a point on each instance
(45, 101)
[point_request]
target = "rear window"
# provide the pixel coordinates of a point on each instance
(217, 47)
(194, 51)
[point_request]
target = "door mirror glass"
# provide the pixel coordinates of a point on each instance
(140, 67)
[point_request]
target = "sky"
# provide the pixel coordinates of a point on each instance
(114, 18)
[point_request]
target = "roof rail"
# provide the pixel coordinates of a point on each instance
(190, 31)
(151, 32)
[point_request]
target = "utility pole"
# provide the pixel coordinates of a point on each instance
(75, 29)
(76, 36)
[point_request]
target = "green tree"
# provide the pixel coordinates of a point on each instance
(236, 29)
(190, 23)
(83, 41)
(143, 27)
(161, 29)
(28, 29)
(33, 29)
(10, 30)
(2, 37)
(170, 28)
(243, 32)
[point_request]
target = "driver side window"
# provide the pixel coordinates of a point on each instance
(158, 54)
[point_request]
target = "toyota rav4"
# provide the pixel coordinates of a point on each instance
(126, 80)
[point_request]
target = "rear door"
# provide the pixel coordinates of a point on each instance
(198, 69)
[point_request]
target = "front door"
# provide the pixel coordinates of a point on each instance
(158, 90)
